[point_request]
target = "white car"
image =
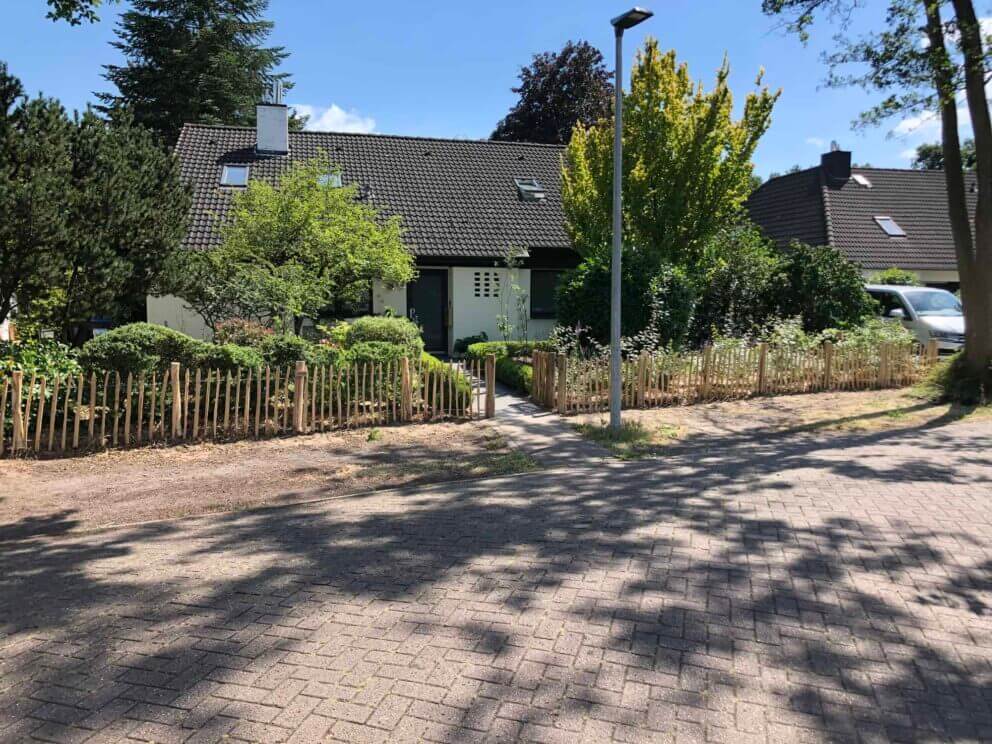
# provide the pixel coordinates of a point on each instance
(925, 311)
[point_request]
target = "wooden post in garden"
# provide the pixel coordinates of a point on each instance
(704, 388)
(931, 352)
(642, 379)
(562, 384)
(828, 364)
(762, 367)
(406, 391)
(883, 365)
(490, 385)
(299, 396)
(177, 404)
(15, 409)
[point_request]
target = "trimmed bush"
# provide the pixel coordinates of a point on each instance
(375, 352)
(514, 374)
(511, 349)
(228, 357)
(399, 331)
(139, 347)
(286, 349)
(462, 344)
(241, 332)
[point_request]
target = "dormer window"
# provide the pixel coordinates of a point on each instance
(890, 226)
(862, 180)
(234, 175)
(330, 179)
(529, 189)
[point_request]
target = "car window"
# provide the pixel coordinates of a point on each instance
(934, 303)
(888, 301)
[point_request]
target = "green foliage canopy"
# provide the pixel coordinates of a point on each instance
(687, 163)
(200, 61)
(557, 91)
(291, 250)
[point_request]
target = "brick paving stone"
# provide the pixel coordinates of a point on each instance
(775, 588)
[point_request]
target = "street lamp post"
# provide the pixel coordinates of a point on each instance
(620, 24)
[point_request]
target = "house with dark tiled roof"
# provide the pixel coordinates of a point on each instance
(877, 217)
(463, 205)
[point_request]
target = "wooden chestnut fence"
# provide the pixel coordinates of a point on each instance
(571, 385)
(71, 413)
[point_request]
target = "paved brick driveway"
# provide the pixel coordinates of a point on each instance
(767, 588)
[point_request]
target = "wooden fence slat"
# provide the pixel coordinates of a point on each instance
(65, 414)
(17, 383)
(3, 413)
(141, 408)
(51, 416)
(78, 412)
(40, 416)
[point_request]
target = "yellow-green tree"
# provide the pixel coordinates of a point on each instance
(687, 163)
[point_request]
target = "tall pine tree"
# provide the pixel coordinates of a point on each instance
(192, 61)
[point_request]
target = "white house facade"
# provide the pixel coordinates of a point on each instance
(465, 205)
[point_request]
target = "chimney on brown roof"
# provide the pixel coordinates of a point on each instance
(272, 123)
(836, 166)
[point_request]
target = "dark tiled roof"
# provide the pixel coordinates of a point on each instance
(791, 208)
(801, 206)
(455, 197)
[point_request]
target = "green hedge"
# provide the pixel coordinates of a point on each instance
(376, 352)
(140, 347)
(512, 349)
(228, 357)
(514, 374)
(399, 331)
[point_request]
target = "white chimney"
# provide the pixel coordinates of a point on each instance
(272, 122)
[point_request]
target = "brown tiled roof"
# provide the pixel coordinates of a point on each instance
(803, 207)
(455, 197)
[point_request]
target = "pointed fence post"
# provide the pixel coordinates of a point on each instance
(828, 364)
(642, 379)
(15, 408)
(177, 403)
(299, 396)
(406, 394)
(704, 390)
(931, 352)
(490, 385)
(562, 383)
(762, 367)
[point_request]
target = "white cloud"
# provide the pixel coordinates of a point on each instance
(816, 141)
(333, 118)
(909, 154)
(926, 124)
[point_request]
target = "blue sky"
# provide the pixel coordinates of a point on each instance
(445, 68)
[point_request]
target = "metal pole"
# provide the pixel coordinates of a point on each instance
(615, 373)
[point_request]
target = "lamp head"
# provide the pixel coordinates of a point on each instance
(630, 19)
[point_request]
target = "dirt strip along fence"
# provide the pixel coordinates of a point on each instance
(571, 385)
(64, 414)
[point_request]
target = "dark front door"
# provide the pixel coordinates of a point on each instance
(427, 306)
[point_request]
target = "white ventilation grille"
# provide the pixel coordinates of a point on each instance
(486, 284)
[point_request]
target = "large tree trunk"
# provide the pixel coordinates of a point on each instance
(978, 295)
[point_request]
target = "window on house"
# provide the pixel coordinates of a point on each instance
(234, 175)
(529, 189)
(543, 286)
(485, 284)
(891, 227)
(330, 179)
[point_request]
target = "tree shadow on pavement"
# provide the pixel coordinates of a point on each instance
(796, 586)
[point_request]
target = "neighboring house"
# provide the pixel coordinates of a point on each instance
(877, 217)
(463, 204)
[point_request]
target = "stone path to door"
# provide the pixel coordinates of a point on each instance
(771, 589)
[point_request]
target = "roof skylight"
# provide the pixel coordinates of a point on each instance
(332, 179)
(234, 175)
(890, 226)
(529, 189)
(861, 179)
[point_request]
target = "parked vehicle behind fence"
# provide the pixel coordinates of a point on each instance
(926, 312)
